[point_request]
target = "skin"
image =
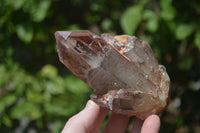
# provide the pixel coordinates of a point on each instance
(89, 120)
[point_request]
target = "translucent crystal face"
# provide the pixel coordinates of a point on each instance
(122, 70)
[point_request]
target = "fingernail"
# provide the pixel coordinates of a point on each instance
(90, 104)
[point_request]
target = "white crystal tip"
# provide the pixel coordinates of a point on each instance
(63, 34)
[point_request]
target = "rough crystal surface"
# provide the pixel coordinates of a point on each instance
(122, 70)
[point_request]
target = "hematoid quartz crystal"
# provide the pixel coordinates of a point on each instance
(122, 70)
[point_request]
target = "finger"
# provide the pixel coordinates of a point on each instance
(151, 124)
(117, 123)
(88, 120)
(136, 128)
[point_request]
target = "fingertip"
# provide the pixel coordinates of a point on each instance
(94, 109)
(151, 124)
(88, 120)
(91, 104)
(152, 121)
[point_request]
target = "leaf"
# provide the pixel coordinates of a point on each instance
(75, 85)
(35, 97)
(168, 12)
(6, 120)
(197, 40)
(148, 14)
(58, 108)
(49, 71)
(165, 3)
(26, 110)
(4, 76)
(39, 13)
(53, 87)
(194, 85)
(143, 2)
(25, 33)
(16, 4)
(106, 24)
(130, 19)
(152, 20)
(7, 101)
(183, 30)
(152, 25)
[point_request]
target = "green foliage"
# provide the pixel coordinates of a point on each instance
(152, 20)
(39, 96)
(168, 12)
(37, 89)
(131, 19)
(25, 33)
(183, 31)
(197, 40)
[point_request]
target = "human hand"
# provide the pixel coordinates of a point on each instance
(89, 120)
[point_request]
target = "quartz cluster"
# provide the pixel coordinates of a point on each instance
(122, 70)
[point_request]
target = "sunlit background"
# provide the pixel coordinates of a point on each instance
(37, 92)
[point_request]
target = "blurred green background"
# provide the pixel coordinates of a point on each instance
(37, 92)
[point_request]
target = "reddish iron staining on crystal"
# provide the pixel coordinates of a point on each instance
(122, 70)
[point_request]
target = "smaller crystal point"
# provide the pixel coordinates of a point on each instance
(122, 70)
(64, 34)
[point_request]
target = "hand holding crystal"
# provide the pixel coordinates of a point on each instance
(90, 119)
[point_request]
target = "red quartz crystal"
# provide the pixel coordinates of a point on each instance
(122, 70)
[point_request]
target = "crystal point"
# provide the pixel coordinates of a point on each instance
(122, 70)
